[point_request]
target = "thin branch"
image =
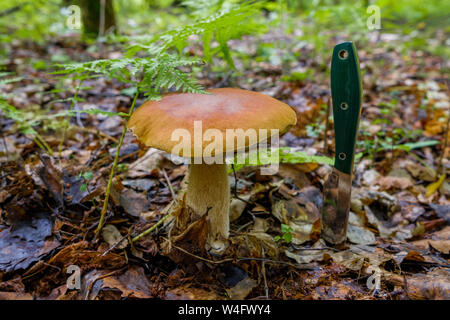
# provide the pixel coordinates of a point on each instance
(91, 285)
(263, 267)
(235, 187)
(149, 230)
(118, 242)
(174, 197)
(298, 266)
(111, 176)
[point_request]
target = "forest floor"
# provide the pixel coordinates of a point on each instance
(398, 235)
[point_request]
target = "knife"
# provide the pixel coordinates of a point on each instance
(346, 96)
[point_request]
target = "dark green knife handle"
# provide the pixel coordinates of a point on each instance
(346, 95)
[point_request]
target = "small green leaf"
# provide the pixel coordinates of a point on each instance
(416, 145)
(88, 175)
(121, 167)
(287, 237)
(285, 228)
(131, 91)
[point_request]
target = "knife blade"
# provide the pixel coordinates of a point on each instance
(346, 94)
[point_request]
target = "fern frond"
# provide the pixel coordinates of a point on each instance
(151, 74)
(227, 24)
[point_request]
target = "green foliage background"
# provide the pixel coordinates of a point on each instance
(38, 20)
(154, 36)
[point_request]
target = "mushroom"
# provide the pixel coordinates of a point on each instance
(157, 124)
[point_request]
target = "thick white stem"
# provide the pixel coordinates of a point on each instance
(208, 187)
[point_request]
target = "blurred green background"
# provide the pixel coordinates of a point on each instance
(415, 23)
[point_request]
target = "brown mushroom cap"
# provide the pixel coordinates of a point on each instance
(226, 108)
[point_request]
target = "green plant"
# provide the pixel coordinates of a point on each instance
(148, 75)
(24, 123)
(229, 23)
(160, 69)
(314, 130)
(86, 176)
(286, 234)
(383, 141)
(122, 167)
(24, 126)
(33, 20)
(285, 155)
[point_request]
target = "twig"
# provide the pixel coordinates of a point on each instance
(317, 249)
(40, 267)
(117, 242)
(174, 197)
(240, 259)
(149, 230)
(266, 288)
(405, 286)
(95, 154)
(424, 163)
(235, 187)
(201, 258)
(89, 288)
(111, 176)
(242, 227)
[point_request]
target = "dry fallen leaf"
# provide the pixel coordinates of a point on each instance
(301, 215)
(112, 236)
(360, 235)
(190, 294)
(421, 172)
(434, 285)
(439, 240)
(15, 296)
(146, 164)
(307, 255)
(432, 187)
(348, 259)
(131, 284)
(26, 242)
(242, 289)
(134, 203)
(52, 178)
(394, 182)
(79, 254)
(237, 206)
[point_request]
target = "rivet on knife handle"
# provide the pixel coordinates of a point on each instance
(346, 97)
